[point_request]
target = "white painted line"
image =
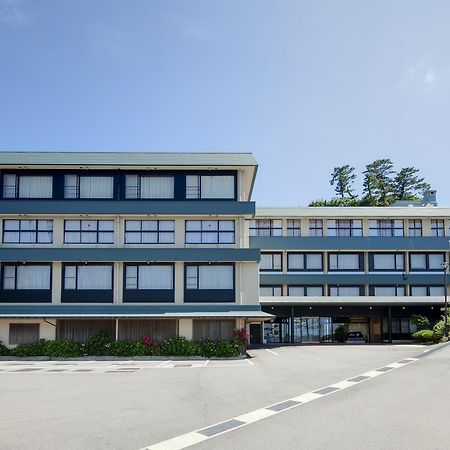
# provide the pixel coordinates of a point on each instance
(249, 362)
(195, 437)
(271, 351)
(163, 364)
(206, 363)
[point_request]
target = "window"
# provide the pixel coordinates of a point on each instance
(389, 291)
(315, 227)
(23, 333)
(293, 227)
(387, 261)
(343, 227)
(385, 227)
(400, 325)
(88, 277)
(26, 277)
(27, 231)
(210, 186)
(140, 187)
(305, 291)
(271, 291)
(415, 227)
(214, 276)
(209, 231)
(425, 261)
(437, 227)
(26, 186)
(427, 291)
(345, 261)
(266, 227)
(153, 276)
(345, 291)
(149, 231)
(83, 186)
(271, 261)
(305, 261)
(89, 231)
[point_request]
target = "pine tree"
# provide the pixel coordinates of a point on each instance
(343, 178)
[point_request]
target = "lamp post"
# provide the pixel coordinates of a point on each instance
(444, 266)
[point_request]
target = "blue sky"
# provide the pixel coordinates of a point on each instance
(304, 85)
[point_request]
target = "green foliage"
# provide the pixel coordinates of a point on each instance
(101, 345)
(421, 322)
(382, 185)
(343, 178)
(425, 336)
(340, 333)
(439, 327)
(4, 351)
(98, 345)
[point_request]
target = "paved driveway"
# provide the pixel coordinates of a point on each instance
(131, 405)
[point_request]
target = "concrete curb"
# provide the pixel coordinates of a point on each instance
(120, 358)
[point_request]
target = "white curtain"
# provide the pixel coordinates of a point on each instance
(383, 262)
(131, 186)
(45, 231)
(96, 187)
(70, 186)
(436, 291)
(266, 262)
(384, 291)
(9, 186)
(157, 187)
(314, 262)
(94, 277)
(36, 187)
(192, 186)
(217, 186)
(131, 277)
(315, 291)
(216, 277)
(132, 231)
(296, 261)
(156, 277)
(191, 277)
(9, 277)
(33, 277)
(435, 261)
(348, 262)
(418, 291)
(418, 261)
(70, 277)
(347, 291)
(297, 291)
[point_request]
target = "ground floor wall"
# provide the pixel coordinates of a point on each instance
(24, 331)
(326, 324)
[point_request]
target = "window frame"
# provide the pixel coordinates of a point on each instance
(392, 228)
(339, 227)
(25, 295)
(141, 175)
(360, 261)
(97, 232)
(414, 228)
(92, 174)
(395, 254)
(305, 262)
(20, 174)
(372, 288)
(147, 295)
(218, 232)
(427, 287)
(436, 229)
(315, 228)
(271, 286)
(271, 228)
(86, 295)
(292, 227)
(427, 261)
(20, 231)
(199, 187)
(208, 295)
(280, 254)
(338, 286)
(305, 289)
(158, 232)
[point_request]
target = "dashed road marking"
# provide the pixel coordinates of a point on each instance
(231, 424)
(271, 351)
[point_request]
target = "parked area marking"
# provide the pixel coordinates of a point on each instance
(271, 351)
(93, 367)
(231, 424)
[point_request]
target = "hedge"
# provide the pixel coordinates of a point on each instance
(101, 345)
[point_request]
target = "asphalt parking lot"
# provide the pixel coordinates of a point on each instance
(136, 404)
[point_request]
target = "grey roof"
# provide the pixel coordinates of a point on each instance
(127, 159)
(132, 311)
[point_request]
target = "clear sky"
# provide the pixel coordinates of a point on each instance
(304, 85)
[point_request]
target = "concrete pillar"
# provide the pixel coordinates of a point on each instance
(179, 282)
(56, 281)
(186, 328)
(179, 233)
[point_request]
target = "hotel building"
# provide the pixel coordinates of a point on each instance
(168, 244)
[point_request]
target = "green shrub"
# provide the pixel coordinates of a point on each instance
(177, 347)
(425, 336)
(421, 322)
(221, 349)
(98, 345)
(63, 349)
(4, 351)
(35, 349)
